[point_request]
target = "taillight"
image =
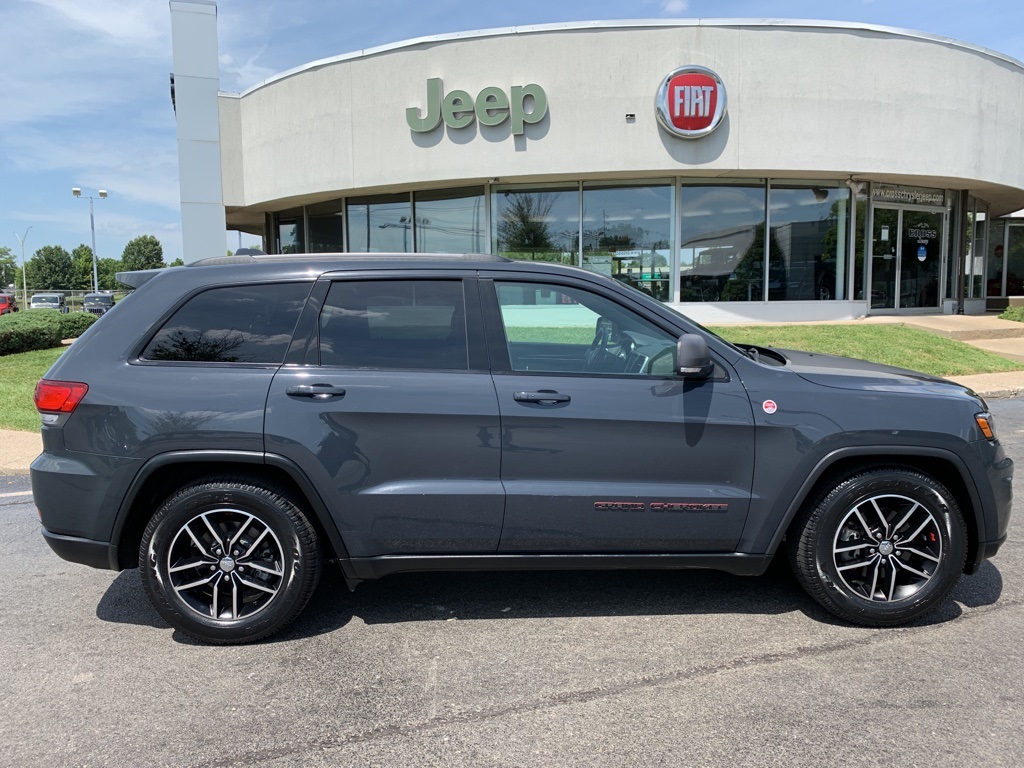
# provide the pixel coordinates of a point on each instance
(59, 396)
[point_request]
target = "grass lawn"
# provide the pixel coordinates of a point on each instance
(18, 377)
(889, 344)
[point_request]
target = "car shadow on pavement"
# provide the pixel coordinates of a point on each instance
(976, 591)
(468, 596)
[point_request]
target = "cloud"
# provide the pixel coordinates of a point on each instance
(138, 24)
(674, 7)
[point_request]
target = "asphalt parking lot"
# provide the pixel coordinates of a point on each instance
(522, 669)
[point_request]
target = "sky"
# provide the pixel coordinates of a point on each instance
(85, 101)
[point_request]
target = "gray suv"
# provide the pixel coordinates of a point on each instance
(232, 426)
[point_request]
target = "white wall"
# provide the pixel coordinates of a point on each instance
(803, 101)
(196, 82)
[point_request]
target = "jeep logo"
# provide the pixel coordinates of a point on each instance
(492, 106)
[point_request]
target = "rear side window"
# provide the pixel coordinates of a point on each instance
(240, 324)
(418, 324)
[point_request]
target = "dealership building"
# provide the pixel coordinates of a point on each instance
(737, 169)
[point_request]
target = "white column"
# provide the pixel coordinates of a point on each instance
(196, 83)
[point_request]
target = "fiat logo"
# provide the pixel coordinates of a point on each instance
(691, 102)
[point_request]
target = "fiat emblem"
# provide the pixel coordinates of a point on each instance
(691, 102)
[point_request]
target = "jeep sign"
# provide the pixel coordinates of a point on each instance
(492, 106)
(691, 102)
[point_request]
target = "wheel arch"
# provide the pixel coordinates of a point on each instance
(945, 467)
(164, 474)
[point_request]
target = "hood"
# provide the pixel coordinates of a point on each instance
(849, 373)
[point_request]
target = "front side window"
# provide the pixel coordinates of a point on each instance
(558, 329)
(239, 324)
(403, 324)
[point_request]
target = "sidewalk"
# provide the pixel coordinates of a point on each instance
(1002, 337)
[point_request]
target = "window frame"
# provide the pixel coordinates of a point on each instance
(135, 357)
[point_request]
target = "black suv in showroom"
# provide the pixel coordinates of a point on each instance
(231, 426)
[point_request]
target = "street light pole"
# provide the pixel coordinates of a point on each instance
(92, 227)
(24, 267)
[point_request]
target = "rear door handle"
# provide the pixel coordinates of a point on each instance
(544, 397)
(316, 391)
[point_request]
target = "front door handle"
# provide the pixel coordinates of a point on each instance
(316, 391)
(544, 397)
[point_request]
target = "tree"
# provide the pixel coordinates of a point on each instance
(105, 270)
(81, 258)
(8, 268)
(523, 225)
(144, 252)
(178, 262)
(51, 268)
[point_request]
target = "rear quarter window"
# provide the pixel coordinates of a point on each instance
(237, 324)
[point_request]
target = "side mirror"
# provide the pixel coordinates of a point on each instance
(693, 361)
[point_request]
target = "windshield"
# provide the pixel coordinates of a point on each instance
(104, 300)
(45, 300)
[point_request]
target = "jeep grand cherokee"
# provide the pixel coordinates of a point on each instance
(232, 426)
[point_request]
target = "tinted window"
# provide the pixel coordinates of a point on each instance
(394, 324)
(558, 329)
(241, 324)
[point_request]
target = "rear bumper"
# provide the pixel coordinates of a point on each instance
(97, 554)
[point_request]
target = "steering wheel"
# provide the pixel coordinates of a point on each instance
(605, 354)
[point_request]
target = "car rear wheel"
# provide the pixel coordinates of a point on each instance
(226, 561)
(883, 547)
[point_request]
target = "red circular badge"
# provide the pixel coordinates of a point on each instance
(770, 406)
(691, 102)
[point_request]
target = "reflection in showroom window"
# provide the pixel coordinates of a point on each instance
(401, 324)
(552, 328)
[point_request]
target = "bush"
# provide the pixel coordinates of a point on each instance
(26, 331)
(73, 324)
(1013, 313)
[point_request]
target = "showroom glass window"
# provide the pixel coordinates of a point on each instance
(380, 224)
(239, 324)
(536, 223)
(977, 248)
(809, 225)
(721, 253)
(451, 221)
(627, 235)
(326, 227)
(402, 324)
(291, 232)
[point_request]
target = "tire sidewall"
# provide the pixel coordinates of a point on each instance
(185, 506)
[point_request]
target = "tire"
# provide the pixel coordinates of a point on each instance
(207, 591)
(876, 574)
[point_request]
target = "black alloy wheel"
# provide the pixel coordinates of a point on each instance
(226, 561)
(882, 548)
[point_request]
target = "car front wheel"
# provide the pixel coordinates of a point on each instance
(883, 547)
(226, 561)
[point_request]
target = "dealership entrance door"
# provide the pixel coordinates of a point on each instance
(906, 259)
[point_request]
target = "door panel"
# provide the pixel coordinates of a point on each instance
(410, 459)
(598, 454)
(576, 471)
